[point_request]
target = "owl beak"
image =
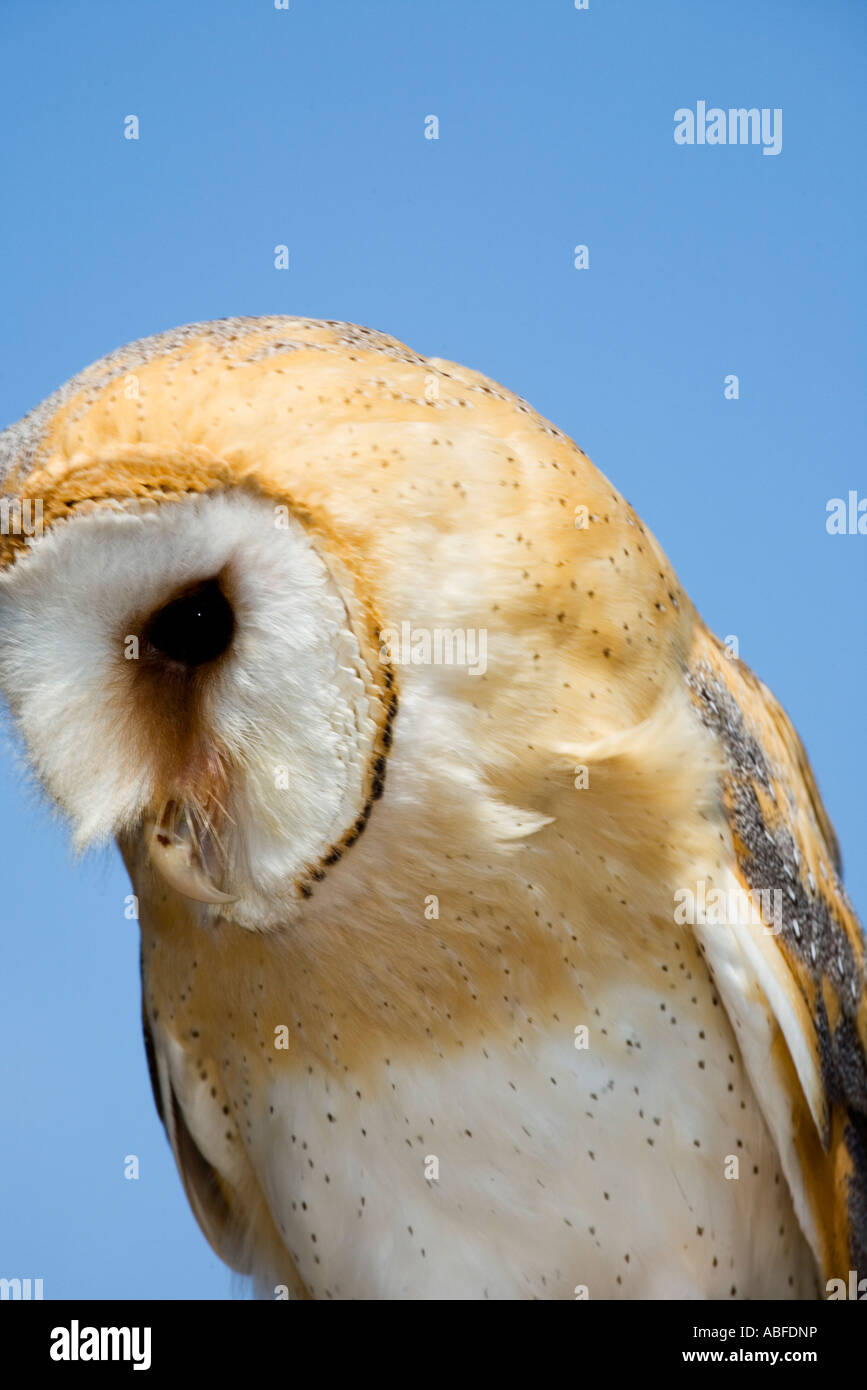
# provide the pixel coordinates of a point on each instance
(176, 855)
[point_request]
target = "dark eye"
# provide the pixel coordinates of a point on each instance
(195, 628)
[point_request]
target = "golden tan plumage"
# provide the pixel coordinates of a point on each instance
(435, 497)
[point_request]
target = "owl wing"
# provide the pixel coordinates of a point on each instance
(792, 977)
(207, 1194)
(230, 1209)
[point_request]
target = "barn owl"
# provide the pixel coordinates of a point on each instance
(493, 941)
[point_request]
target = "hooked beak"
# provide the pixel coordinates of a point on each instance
(176, 852)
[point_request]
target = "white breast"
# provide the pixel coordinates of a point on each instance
(559, 1169)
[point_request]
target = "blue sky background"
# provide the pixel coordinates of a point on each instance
(306, 127)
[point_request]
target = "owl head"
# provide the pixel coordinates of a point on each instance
(237, 548)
